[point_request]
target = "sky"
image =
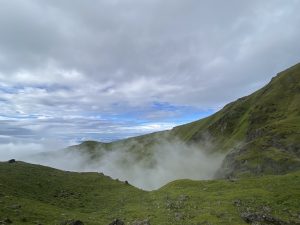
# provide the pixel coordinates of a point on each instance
(73, 70)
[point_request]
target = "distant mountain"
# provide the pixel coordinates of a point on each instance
(259, 133)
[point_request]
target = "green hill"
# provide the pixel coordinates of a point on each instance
(33, 194)
(259, 133)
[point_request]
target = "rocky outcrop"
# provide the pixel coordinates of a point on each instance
(253, 159)
(253, 218)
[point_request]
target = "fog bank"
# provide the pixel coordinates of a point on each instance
(148, 168)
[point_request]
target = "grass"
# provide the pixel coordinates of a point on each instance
(33, 194)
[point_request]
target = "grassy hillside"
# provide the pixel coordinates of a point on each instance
(139, 146)
(32, 194)
(260, 133)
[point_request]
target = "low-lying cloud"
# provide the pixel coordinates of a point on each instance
(147, 167)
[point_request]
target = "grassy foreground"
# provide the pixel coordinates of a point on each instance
(33, 194)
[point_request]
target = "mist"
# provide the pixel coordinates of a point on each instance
(145, 167)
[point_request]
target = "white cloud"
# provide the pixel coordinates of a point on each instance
(149, 127)
(62, 63)
(149, 170)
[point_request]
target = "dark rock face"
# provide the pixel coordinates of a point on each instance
(117, 222)
(11, 161)
(232, 166)
(72, 222)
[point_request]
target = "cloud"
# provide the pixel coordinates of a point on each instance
(24, 150)
(69, 130)
(116, 59)
(168, 161)
(148, 168)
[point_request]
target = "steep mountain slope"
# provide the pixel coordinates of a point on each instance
(33, 194)
(260, 133)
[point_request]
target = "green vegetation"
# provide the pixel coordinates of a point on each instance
(260, 133)
(33, 194)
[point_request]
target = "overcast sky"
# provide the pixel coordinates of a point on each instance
(73, 70)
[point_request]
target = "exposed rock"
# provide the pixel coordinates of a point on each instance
(266, 209)
(174, 205)
(11, 161)
(237, 202)
(117, 222)
(232, 165)
(253, 218)
(16, 206)
(179, 216)
(141, 222)
(183, 198)
(6, 221)
(72, 222)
